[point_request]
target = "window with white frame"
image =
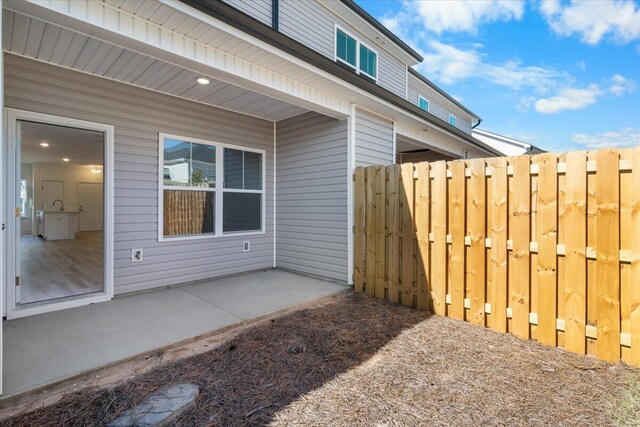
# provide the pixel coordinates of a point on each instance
(452, 120)
(423, 103)
(23, 196)
(355, 54)
(209, 189)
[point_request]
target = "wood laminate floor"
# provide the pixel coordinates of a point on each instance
(51, 269)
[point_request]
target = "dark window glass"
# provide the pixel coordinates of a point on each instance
(242, 212)
(252, 171)
(346, 47)
(242, 170)
(367, 61)
(233, 168)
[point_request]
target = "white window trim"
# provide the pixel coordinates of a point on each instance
(455, 120)
(422, 98)
(219, 190)
(358, 43)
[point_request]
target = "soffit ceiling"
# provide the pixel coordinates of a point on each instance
(37, 39)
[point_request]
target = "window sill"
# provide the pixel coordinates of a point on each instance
(211, 236)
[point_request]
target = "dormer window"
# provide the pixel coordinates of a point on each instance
(452, 120)
(423, 103)
(356, 55)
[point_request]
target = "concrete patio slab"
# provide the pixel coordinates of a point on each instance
(48, 348)
(268, 292)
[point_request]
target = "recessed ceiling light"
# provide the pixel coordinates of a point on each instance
(44, 144)
(65, 159)
(203, 80)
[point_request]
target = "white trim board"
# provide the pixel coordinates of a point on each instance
(14, 311)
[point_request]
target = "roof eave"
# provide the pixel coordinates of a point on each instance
(438, 89)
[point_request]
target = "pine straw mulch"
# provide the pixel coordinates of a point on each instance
(358, 361)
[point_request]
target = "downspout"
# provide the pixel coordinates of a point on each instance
(472, 127)
(275, 13)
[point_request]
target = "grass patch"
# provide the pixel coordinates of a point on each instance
(625, 406)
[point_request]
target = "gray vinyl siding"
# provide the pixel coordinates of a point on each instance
(258, 9)
(311, 180)
(138, 115)
(437, 109)
(313, 25)
(374, 140)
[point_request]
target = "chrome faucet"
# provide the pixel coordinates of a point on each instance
(61, 204)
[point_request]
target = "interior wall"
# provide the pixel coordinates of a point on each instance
(70, 175)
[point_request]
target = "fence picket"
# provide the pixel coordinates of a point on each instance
(359, 232)
(370, 265)
(520, 227)
(439, 248)
(635, 262)
(608, 254)
(393, 226)
(476, 219)
(546, 236)
(380, 233)
(457, 230)
(408, 232)
(422, 207)
(497, 291)
(575, 293)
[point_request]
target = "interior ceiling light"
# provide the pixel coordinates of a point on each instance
(96, 170)
(203, 80)
(44, 144)
(65, 159)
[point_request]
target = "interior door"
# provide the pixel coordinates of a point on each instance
(52, 191)
(90, 199)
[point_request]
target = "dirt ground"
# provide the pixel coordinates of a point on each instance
(357, 361)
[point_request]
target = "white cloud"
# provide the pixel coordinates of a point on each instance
(569, 99)
(464, 15)
(582, 64)
(593, 21)
(449, 64)
(620, 85)
(628, 137)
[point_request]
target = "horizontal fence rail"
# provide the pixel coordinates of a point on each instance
(545, 247)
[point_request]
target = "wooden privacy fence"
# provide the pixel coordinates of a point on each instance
(545, 247)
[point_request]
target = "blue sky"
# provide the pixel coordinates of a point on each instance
(562, 75)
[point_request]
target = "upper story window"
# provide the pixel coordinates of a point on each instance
(452, 120)
(423, 103)
(368, 62)
(346, 48)
(355, 54)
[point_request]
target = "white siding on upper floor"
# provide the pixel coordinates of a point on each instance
(138, 115)
(374, 140)
(313, 25)
(437, 105)
(258, 9)
(311, 196)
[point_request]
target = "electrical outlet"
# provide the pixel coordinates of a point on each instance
(136, 255)
(246, 246)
